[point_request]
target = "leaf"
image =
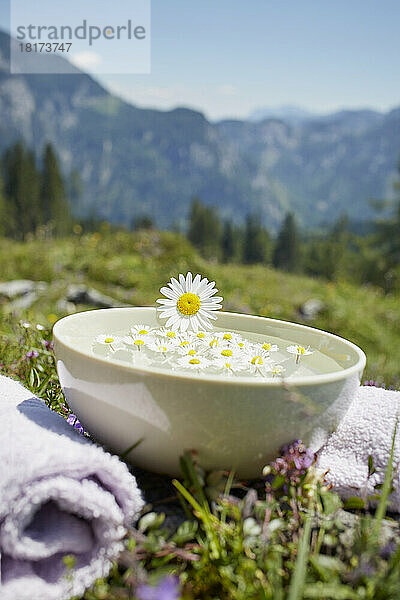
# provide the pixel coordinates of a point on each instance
(333, 591)
(354, 503)
(299, 573)
(185, 532)
(151, 521)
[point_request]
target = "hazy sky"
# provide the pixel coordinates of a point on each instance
(229, 57)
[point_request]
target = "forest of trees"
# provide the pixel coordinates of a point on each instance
(35, 196)
(336, 253)
(32, 195)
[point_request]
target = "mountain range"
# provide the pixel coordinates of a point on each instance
(135, 161)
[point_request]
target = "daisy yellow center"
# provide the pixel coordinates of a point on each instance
(214, 343)
(192, 352)
(194, 361)
(227, 336)
(257, 360)
(201, 334)
(184, 343)
(300, 350)
(226, 352)
(171, 334)
(241, 344)
(143, 332)
(139, 343)
(162, 349)
(228, 365)
(188, 304)
(266, 346)
(109, 340)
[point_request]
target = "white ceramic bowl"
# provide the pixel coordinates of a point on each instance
(233, 423)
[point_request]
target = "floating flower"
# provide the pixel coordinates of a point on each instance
(196, 362)
(189, 303)
(166, 332)
(140, 330)
(109, 340)
(226, 352)
(229, 365)
(299, 351)
(277, 370)
(163, 345)
(268, 347)
(259, 362)
(138, 341)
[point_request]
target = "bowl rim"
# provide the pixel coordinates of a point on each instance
(305, 380)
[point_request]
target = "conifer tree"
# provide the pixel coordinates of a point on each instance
(228, 242)
(3, 212)
(21, 188)
(205, 229)
(287, 248)
(53, 199)
(255, 241)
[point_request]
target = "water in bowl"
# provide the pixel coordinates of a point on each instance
(316, 363)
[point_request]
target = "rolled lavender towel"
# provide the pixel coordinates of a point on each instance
(60, 495)
(366, 430)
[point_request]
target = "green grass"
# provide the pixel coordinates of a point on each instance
(284, 537)
(132, 268)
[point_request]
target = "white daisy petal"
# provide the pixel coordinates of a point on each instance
(172, 294)
(189, 282)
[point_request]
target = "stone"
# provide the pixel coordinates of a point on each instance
(311, 309)
(17, 287)
(81, 294)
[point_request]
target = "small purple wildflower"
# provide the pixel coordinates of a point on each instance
(372, 383)
(73, 421)
(167, 589)
(48, 345)
(32, 354)
(294, 461)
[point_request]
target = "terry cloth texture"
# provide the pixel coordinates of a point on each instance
(366, 430)
(60, 495)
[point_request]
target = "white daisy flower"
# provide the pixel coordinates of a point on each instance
(229, 337)
(277, 370)
(109, 340)
(189, 349)
(268, 347)
(137, 341)
(167, 332)
(299, 351)
(226, 352)
(259, 362)
(189, 303)
(141, 330)
(196, 362)
(229, 365)
(163, 345)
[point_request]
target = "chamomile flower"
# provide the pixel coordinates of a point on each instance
(137, 341)
(166, 332)
(229, 365)
(190, 303)
(277, 370)
(229, 337)
(299, 351)
(258, 362)
(195, 363)
(226, 352)
(141, 329)
(109, 340)
(189, 349)
(163, 345)
(268, 347)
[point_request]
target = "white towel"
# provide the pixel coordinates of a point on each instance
(366, 430)
(59, 495)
